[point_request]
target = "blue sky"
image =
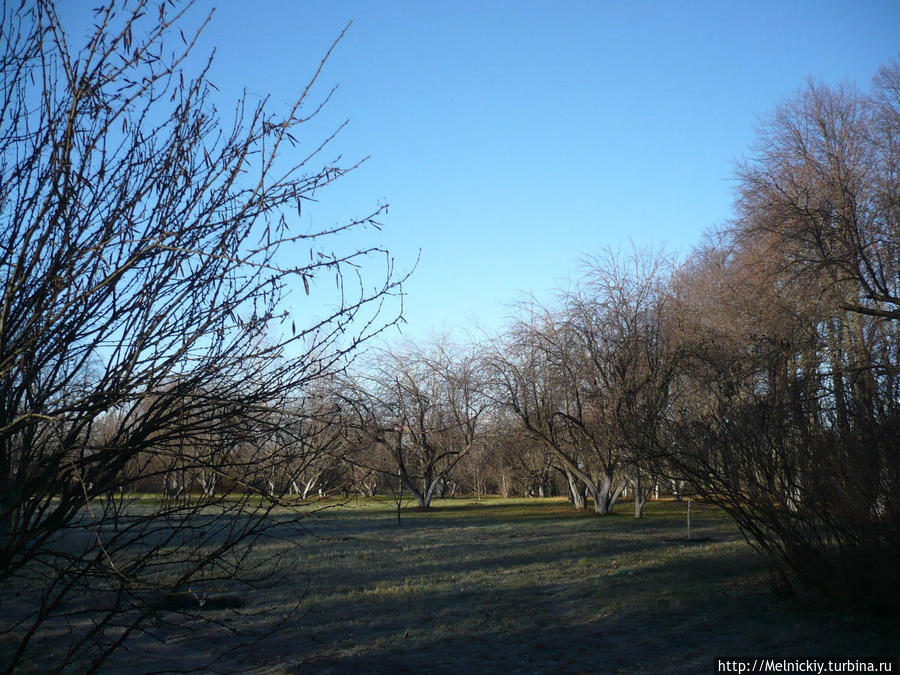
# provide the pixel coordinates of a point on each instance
(510, 138)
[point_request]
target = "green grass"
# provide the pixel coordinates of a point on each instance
(526, 585)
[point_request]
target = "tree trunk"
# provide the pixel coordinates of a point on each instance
(505, 485)
(309, 485)
(607, 493)
(641, 493)
(576, 491)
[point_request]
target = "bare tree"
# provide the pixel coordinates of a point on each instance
(424, 406)
(591, 378)
(144, 324)
(820, 200)
(784, 406)
(309, 449)
(627, 359)
(537, 374)
(822, 188)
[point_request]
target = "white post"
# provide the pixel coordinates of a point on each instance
(689, 517)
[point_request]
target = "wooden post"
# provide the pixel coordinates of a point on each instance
(399, 500)
(689, 518)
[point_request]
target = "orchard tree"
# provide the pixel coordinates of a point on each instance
(590, 379)
(537, 374)
(423, 408)
(626, 358)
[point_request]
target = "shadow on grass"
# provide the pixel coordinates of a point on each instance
(643, 622)
(429, 550)
(534, 586)
(484, 587)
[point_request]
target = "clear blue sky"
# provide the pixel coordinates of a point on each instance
(510, 138)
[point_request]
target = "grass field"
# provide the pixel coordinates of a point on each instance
(521, 586)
